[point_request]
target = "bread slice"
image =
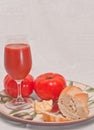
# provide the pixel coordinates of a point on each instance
(73, 103)
(50, 117)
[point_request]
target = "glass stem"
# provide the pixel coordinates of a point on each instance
(19, 96)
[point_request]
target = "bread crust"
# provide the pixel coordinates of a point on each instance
(49, 117)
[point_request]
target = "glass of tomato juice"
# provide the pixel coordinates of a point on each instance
(18, 63)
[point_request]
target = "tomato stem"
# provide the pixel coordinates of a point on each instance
(48, 77)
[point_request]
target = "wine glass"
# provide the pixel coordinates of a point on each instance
(18, 63)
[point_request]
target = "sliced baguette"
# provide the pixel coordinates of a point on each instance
(73, 103)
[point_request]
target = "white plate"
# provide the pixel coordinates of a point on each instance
(28, 115)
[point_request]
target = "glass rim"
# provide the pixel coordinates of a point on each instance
(9, 45)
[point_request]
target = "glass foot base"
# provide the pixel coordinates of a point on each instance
(18, 105)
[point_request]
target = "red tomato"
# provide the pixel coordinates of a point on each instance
(49, 85)
(11, 86)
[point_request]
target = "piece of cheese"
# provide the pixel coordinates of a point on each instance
(43, 106)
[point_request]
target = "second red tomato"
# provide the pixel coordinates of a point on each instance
(12, 89)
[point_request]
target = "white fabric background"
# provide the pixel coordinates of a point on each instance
(61, 34)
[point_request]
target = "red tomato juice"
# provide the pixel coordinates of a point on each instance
(17, 60)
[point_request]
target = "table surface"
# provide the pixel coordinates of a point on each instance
(61, 36)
